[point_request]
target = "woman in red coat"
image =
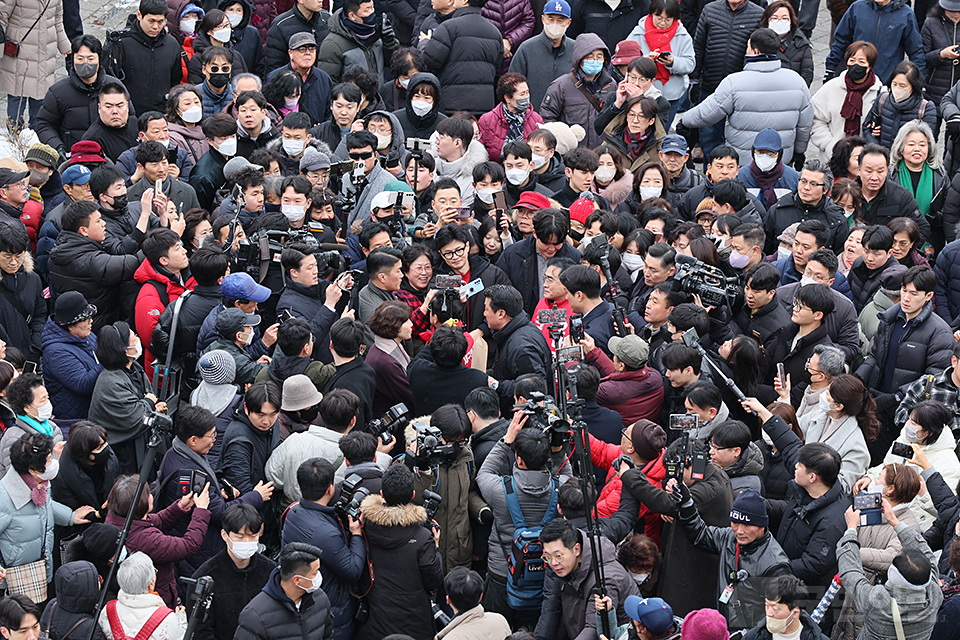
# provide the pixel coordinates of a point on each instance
(148, 531)
(512, 119)
(391, 325)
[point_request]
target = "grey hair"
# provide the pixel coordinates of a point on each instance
(136, 573)
(832, 361)
(896, 149)
(271, 184)
(819, 166)
(243, 76)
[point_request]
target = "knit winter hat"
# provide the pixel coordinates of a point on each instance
(749, 508)
(217, 367)
(567, 137)
(44, 154)
(581, 208)
(313, 160)
(704, 624)
(648, 439)
(891, 280)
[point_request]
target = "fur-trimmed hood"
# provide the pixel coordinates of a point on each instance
(276, 146)
(618, 190)
(376, 511)
(27, 263)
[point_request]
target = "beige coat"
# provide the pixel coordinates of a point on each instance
(827, 127)
(476, 624)
(32, 72)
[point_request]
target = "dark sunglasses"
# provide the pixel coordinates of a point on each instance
(366, 155)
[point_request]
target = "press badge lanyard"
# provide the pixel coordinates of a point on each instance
(737, 576)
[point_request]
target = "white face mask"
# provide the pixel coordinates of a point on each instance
(554, 31)
(631, 261)
(650, 192)
(780, 27)
(293, 212)
(244, 550)
(804, 281)
(605, 174)
(44, 411)
(911, 434)
(486, 195)
(137, 350)
(783, 252)
(293, 147)
(765, 163)
(193, 115)
(778, 626)
(899, 95)
(228, 147)
(314, 584)
(538, 161)
(51, 471)
(421, 107)
(222, 35)
(248, 338)
(188, 26)
(517, 177)
(823, 403)
(639, 578)
(383, 142)
(234, 19)
(405, 83)
(165, 143)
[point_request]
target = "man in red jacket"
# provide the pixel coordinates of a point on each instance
(629, 386)
(643, 442)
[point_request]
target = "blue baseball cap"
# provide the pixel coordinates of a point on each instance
(768, 140)
(240, 286)
(76, 174)
(653, 613)
(674, 143)
(557, 8)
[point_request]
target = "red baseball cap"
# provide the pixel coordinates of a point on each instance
(86, 151)
(625, 52)
(533, 201)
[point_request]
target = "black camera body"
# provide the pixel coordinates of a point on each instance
(390, 423)
(351, 495)
(262, 248)
(431, 451)
(191, 481)
(689, 454)
(710, 283)
(544, 414)
(431, 502)
(158, 421)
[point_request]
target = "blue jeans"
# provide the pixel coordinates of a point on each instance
(683, 102)
(711, 136)
(17, 110)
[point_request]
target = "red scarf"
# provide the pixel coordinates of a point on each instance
(659, 40)
(852, 109)
(636, 142)
(38, 490)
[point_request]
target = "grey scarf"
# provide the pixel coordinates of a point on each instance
(180, 447)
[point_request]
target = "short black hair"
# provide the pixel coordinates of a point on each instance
(14, 608)
(819, 297)
(551, 223)
(113, 89)
(210, 54)
(445, 183)
(762, 277)
(293, 335)
(932, 415)
(358, 447)
(690, 315)
(464, 588)
(517, 149)
(484, 402)
(369, 231)
(144, 120)
(581, 278)
(360, 139)
(314, 477)
(787, 590)
(752, 234)
(299, 183)
(528, 384)
(765, 40)
(827, 258)
(112, 343)
(348, 91)
(704, 394)
(914, 566)
(491, 170)
(872, 149)
(582, 159)
(102, 178)
(877, 237)
(219, 125)
(261, 393)
(821, 459)
(588, 382)
(240, 515)
(452, 421)
(730, 434)
(724, 151)
(817, 229)
(346, 336)
(297, 120)
(457, 129)
(296, 558)
(448, 346)
(922, 277)
(256, 96)
(150, 151)
(88, 41)
(732, 192)
(397, 485)
(157, 244)
(562, 530)
(338, 409)
(208, 264)
(382, 260)
(450, 233)
(505, 298)
(192, 421)
(679, 356)
(14, 238)
(533, 447)
(663, 252)
(292, 256)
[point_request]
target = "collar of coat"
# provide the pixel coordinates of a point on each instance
(375, 510)
(16, 488)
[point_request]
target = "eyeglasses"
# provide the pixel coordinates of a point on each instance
(218, 69)
(556, 557)
(636, 116)
(454, 253)
(798, 306)
(902, 243)
(714, 447)
(524, 213)
(807, 183)
(421, 268)
(358, 155)
(12, 258)
(308, 48)
(635, 79)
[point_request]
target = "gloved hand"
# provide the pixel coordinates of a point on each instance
(798, 161)
(681, 495)
(694, 92)
(953, 127)
(388, 36)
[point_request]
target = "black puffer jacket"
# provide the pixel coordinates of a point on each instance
(865, 282)
(342, 51)
(150, 66)
(465, 52)
(271, 615)
(194, 310)
(893, 201)
(926, 348)
(78, 263)
(234, 588)
(767, 321)
(613, 25)
(809, 527)
(25, 286)
(521, 349)
(519, 262)
(407, 566)
(938, 33)
(720, 40)
(78, 485)
(413, 125)
(77, 588)
(69, 108)
(894, 115)
(790, 209)
(796, 53)
(687, 180)
(951, 209)
(285, 25)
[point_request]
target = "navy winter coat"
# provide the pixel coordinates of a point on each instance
(892, 28)
(894, 115)
(70, 370)
(947, 296)
(613, 25)
(721, 40)
(519, 262)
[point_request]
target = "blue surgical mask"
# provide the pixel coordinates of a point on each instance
(592, 67)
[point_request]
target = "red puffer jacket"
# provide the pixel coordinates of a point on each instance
(493, 129)
(514, 19)
(635, 395)
(149, 305)
(603, 454)
(30, 217)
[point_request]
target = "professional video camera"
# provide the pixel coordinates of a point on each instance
(547, 416)
(400, 201)
(390, 423)
(351, 495)
(431, 502)
(159, 422)
(611, 290)
(710, 283)
(255, 254)
(690, 452)
(431, 451)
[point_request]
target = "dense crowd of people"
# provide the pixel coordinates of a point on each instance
(481, 320)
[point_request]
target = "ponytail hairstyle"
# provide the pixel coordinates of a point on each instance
(849, 391)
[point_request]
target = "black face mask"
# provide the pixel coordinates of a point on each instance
(307, 416)
(86, 70)
(101, 457)
(857, 72)
(576, 235)
(271, 208)
(119, 202)
(219, 80)
(370, 19)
